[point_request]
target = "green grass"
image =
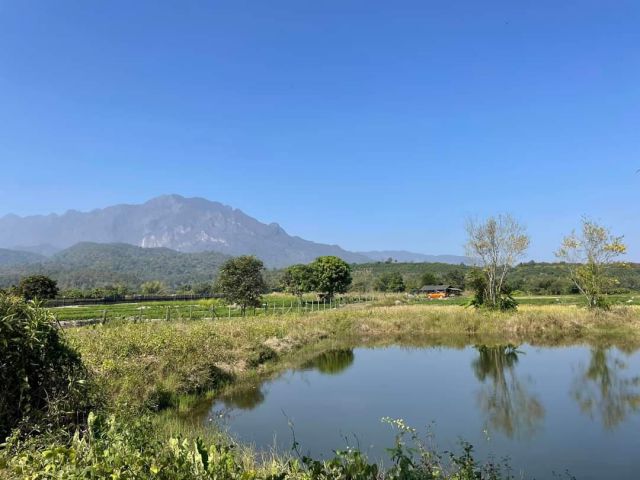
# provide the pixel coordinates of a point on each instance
(273, 304)
(579, 300)
(202, 309)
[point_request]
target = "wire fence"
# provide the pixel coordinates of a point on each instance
(64, 302)
(90, 314)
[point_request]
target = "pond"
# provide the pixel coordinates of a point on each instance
(574, 409)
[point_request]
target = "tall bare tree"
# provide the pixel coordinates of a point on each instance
(589, 254)
(497, 243)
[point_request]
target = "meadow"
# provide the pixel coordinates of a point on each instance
(278, 304)
(152, 363)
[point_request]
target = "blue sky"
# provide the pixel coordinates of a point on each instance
(374, 125)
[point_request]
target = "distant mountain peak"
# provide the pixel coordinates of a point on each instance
(186, 224)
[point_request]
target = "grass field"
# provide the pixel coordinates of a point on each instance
(274, 304)
(281, 304)
(148, 363)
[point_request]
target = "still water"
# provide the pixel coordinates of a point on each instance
(547, 409)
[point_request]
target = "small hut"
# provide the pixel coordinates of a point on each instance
(440, 291)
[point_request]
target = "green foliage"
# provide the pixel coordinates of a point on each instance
(43, 379)
(91, 265)
(117, 448)
(477, 281)
(331, 275)
(390, 282)
(153, 287)
(240, 281)
(203, 288)
(38, 286)
(297, 280)
(590, 253)
(455, 278)
(428, 278)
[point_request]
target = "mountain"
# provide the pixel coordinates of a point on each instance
(170, 221)
(43, 250)
(88, 265)
(411, 257)
(16, 257)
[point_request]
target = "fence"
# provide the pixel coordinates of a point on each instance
(63, 302)
(198, 311)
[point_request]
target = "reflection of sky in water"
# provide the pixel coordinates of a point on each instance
(548, 409)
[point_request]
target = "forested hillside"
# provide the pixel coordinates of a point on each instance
(17, 257)
(531, 277)
(91, 265)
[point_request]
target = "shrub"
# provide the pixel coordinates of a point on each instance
(113, 448)
(43, 379)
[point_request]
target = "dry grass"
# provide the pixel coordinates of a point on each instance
(150, 363)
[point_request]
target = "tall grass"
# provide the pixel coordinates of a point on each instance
(149, 363)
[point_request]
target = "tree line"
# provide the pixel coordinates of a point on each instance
(587, 265)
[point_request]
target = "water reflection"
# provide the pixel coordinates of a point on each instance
(504, 399)
(603, 391)
(332, 362)
(245, 397)
(249, 396)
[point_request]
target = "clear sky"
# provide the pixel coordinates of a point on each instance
(374, 125)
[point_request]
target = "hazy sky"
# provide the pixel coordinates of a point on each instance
(374, 125)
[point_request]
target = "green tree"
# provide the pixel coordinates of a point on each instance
(240, 281)
(589, 256)
(455, 278)
(204, 288)
(297, 280)
(331, 275)
(390, 282)
(38, 286)
(428, 278)
(153, 287)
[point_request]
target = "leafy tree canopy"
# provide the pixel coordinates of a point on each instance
(240, 281)
(297, 280)
(38, 286)
(331, 275)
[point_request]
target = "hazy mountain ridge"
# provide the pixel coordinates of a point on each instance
(186, 225)
(170, 221)
(412, 257)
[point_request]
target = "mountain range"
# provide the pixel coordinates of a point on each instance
(187, 225)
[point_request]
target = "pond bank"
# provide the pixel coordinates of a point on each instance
(148, 364)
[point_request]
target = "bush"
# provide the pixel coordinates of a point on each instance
(113, 448)
(43, 379)
(38, 286)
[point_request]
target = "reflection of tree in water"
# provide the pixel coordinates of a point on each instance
(332, 362)
(509, 407)
(244, 397)
(602, 391)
